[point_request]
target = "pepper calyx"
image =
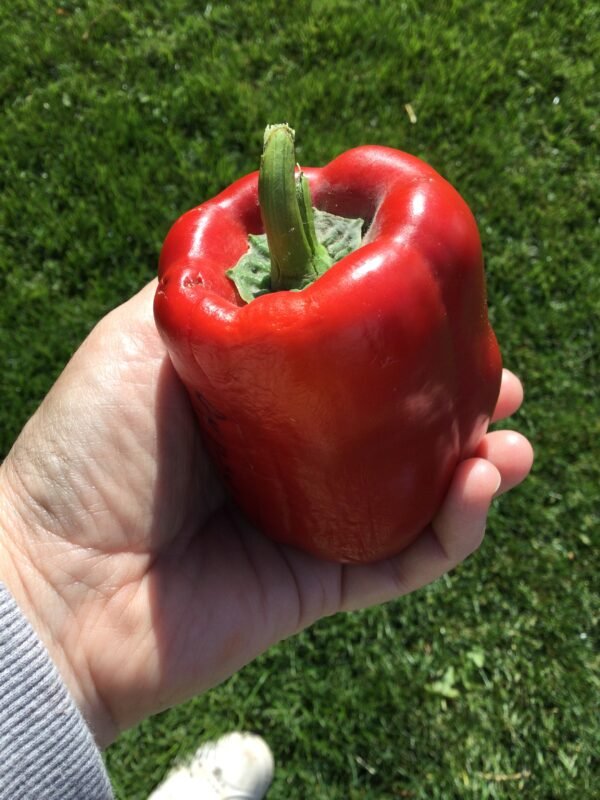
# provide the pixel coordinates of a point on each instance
(340, 236)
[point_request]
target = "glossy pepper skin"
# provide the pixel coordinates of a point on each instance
(337, 414)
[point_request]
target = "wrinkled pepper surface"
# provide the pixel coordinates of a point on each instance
(337, 414)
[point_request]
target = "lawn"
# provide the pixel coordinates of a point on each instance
(117, 117)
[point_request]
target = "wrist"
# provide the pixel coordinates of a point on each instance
(17, 570)
(27, 554)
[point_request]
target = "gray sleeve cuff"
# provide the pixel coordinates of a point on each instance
(47, 751)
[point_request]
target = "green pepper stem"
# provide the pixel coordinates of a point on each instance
(297, 257)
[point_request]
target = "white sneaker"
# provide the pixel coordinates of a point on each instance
(239, 766)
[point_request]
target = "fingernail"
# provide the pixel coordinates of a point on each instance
(498, 484)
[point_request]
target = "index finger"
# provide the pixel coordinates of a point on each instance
(510, 397)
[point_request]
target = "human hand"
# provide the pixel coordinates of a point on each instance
(145, 585)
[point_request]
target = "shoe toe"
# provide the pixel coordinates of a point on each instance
(241, 764)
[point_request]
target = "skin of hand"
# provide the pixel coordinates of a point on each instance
(144, 584)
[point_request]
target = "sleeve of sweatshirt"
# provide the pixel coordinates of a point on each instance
(47, 751)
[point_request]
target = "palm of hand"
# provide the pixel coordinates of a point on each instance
(136, 539)
(158, 590)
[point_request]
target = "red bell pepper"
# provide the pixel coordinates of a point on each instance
(337, 414)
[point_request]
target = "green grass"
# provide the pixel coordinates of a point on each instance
(117, 117)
